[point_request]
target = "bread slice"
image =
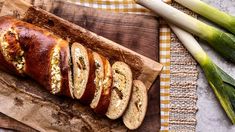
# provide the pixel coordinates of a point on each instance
(67, 86)
(102, 103)
(121, 92)
(60, 70)
(49, 65)
(99, 78)
(136, 110)
(83, 73)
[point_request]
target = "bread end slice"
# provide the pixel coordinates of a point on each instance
(121, 92)
(136, 110)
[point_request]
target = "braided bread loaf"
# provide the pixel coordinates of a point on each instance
(65, 69)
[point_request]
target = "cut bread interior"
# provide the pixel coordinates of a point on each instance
(81, 69)
(55, 72)
(11, 50)
(136, 110)
(121, 92)
(99, 78)
(104, 101)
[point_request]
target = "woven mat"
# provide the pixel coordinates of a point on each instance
(178, 79)
(183, 95)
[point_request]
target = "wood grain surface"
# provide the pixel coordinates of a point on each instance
(136, 32)
(10, 124)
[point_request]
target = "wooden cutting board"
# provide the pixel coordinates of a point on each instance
(136, 32)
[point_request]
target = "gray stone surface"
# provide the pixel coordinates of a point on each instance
(211, 117)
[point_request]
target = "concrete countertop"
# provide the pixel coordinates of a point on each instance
(210, 116)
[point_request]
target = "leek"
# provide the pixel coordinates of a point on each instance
(222, 84)
(221, 18)
(222, 42)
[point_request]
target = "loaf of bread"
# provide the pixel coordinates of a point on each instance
(69, 69)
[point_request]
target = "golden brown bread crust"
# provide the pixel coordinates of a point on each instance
(90, 88)
(104, 101)
(37, 44)
(38, 48)
(65, 69)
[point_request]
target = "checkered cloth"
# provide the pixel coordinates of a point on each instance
(113, 5)
(165, 59)
(129, 6)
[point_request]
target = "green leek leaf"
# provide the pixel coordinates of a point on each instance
(224, 43)
(221, 18)
(223, 85)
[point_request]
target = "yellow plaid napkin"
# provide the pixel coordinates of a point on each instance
(165, 59)
(113, 5)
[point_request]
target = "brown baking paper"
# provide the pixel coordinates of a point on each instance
(25, 101)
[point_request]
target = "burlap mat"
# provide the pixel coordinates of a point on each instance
(183, 85)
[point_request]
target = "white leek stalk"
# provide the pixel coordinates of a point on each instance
(222, 84)
(222, 42)
(221, 18)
